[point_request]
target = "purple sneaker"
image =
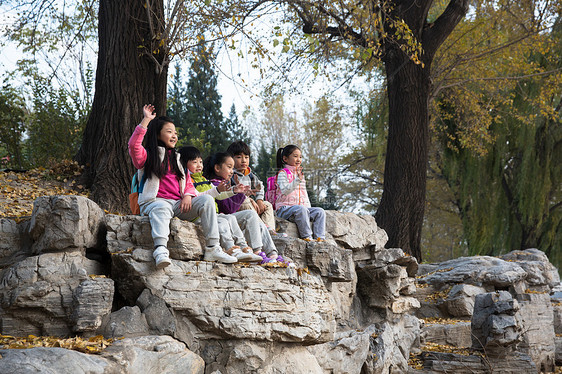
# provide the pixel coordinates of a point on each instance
(286, 262)
(266, 260)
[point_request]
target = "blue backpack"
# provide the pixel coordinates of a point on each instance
(136, 188)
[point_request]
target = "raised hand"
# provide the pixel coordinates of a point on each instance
(241, 188)
(149, 115)
(149, 111)
(224, 185)
(300, 173)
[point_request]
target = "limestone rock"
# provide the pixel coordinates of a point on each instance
(390, 344)
(479, 271)
(52, 361)
(381, 285)
(233, 301)
(125, 233)
(10, 245)
(558, 355)
(148, 354)
(158, 316)
(456, 335)
(293, 248)
(557, 317)
(511, 363)
(355, 232)
(329, 261)
(153, 354)
(538, 337)
(537, 266)
(286, 227)
(460, 300)
(92, 300)
(38, 295)
(125, 322)
(60, 223)
(346, 354)
(243, 356)
(398, 257)
(496, 327)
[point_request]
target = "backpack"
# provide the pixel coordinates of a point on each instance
(136, 188)
(272, 193)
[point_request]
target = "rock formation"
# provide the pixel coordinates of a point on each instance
(348, 306)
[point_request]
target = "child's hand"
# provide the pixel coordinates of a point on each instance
(241, 188)
(185, 205)
(299, 173)
(261, 206)
(148, 111)
(149, 115)
(224, 185)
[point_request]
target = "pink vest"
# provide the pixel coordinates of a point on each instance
(298, 196)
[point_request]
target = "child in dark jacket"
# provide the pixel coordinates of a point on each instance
(218, 168)
(241, 152)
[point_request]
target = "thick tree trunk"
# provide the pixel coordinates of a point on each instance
(125, 81)
(402, 204)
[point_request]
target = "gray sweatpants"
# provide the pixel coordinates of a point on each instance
(230, 232)
(161, 211)
(303, 217)
(255, 231)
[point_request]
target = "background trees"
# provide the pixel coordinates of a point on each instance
(493, 90)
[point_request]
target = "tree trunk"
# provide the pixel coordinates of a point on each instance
(125, 81)
(402, 204)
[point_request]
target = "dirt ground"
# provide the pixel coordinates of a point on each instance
(18, 190)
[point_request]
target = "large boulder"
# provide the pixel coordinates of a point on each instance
(62, 223)
(481, 271)
(360, 233)
(54, 294)
(243, 356)
(147, 354)
(496, 325)
(540, 272)
(125, 233)
(232, 301)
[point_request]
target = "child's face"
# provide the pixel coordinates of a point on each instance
(195, 166)
(241, 161)
(294, 159)
(225, 169)
(168, 135)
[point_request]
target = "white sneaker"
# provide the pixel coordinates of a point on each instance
(162, 260)
(217, 254)
(241, 256)
(254, 257)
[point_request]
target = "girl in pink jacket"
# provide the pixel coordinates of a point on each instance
(293, 203)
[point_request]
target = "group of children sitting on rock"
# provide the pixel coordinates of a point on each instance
(222, 194)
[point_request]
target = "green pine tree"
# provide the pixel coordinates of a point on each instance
(234, 129)
(188, 132)
(264, 167)
(203, 102)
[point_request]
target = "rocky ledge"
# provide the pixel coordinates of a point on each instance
(349, 305)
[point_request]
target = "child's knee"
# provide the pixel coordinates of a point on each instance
(301, 210)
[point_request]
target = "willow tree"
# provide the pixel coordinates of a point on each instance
(500, 122)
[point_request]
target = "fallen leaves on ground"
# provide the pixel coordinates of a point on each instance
(438, 296)
(18, 190)
(443, 321)
(94, 344)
